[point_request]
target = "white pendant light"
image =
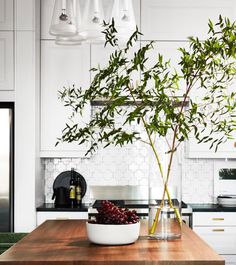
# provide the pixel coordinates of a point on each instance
(69, 41)
(123, 15)
(92, 21)
(75, 39)
(63, 20)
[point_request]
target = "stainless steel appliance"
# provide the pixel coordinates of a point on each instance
(225, 183)
(132, 197)
(6, 166)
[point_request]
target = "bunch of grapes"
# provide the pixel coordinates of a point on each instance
(109, 213)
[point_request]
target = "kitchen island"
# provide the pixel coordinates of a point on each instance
(65, 242)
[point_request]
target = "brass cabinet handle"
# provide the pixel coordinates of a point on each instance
(218, 230)
(218, 219)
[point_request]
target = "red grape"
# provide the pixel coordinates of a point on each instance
(109, 213)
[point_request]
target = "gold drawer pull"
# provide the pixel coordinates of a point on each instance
(218, 219)
(218, 230)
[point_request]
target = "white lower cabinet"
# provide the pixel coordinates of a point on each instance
(229, 259)
(43, 216)
(218, 229)
(221, 239)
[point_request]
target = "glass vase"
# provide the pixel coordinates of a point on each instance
(165, 197)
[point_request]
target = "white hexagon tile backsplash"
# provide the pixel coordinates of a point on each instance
(124, 166)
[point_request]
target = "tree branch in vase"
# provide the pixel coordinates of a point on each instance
(204, 110)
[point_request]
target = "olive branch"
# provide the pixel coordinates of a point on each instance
(208, 68)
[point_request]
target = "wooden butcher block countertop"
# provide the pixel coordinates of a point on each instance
(64, 242)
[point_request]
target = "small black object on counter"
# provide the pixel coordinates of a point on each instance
(61, 196)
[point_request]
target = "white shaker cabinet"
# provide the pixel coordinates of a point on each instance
(100, 57)
(178, 19)
(6, 14)
(61, 66)
(6, 61)
(229, 259)
(225, 150)
(218, 229)
(202, 150)
(170, 51)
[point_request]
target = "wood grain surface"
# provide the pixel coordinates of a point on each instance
(64, 242)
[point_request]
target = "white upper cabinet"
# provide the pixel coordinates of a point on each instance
(225, 150)
(25, 18)
(202, 150)
(6, 14)
(47, 11)
(61, 66)
(178, 19)
(170, 51)
(6, 61)
(100, 57)
(46, 17)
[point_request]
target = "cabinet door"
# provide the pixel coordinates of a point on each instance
(221, 239)
(6, 61)
(225, 150)
(214, 219)
(202, 150)
(44, 216)
(6, 14)
(170, 51)
(61, 66)
(229, 259)
(178, 19)
(100, 57)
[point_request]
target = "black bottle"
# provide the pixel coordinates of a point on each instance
(72, 189)
(78, 192)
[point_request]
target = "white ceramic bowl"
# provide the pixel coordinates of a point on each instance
(106, 234)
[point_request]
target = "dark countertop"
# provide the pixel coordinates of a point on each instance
(210, 207)
(196, 207)
(50, 207)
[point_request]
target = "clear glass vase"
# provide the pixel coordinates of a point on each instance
(165, 221)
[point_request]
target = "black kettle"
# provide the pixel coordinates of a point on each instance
(61, 196)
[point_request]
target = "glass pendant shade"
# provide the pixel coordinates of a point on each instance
(75, 39)
(123, 15)
(92, 21)
(63, 20)
(70, 41)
